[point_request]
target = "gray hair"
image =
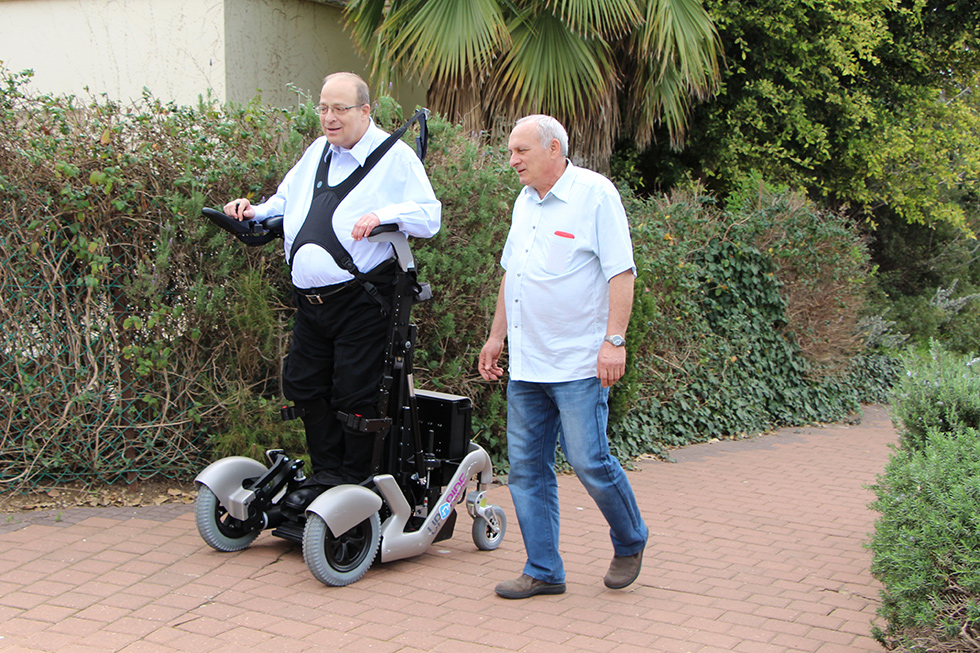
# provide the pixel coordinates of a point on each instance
(548, 129)
(360, 86)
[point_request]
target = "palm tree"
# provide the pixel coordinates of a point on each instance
(604, 68)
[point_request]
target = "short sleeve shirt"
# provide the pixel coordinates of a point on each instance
(560, 254)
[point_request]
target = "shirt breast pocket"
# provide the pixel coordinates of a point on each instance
(561, 244)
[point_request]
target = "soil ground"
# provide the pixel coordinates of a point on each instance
(143, 493)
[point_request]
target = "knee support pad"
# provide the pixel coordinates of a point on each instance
(310, 412)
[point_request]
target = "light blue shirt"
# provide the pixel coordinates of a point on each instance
(396, 189)
(560, 254)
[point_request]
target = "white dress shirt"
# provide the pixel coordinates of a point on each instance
(560, 254)
(397, 190)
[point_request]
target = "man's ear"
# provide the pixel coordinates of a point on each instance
(555, 148)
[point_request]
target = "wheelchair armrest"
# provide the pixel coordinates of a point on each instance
(383, 229)
(388, 233)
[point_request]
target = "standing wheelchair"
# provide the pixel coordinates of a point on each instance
(422, 465)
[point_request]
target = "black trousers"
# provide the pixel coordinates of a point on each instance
(336, 362)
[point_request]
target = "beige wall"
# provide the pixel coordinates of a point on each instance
(175, 48)
(179, 49)
(274, 43)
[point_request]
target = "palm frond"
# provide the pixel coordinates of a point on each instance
(678, 52)
(363, 18)
(445, 38)
(680, 34)
(554, 70)
(609, 18)
(665, 100)
(490, 61)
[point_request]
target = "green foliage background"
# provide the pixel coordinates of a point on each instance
(866, 104)
(869, 107)
(138, 340)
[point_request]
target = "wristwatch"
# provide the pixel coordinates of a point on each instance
(616, 340)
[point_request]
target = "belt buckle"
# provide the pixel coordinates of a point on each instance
(314, 299)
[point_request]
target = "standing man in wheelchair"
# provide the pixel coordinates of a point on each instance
(353, 179)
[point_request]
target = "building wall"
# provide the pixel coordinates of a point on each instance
(271, 45)
(174, 48)
(181, 49)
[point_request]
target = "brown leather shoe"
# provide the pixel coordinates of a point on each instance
(525, 586)
(623, 570)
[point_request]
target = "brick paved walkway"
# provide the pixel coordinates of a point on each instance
(755, 546)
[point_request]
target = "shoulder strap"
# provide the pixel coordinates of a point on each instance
(422, 140)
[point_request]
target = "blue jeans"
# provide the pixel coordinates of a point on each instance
(573, 413)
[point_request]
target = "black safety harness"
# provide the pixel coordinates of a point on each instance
(318, 226)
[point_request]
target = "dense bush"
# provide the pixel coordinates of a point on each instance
(135, 338)
(727, 311)
(926, 544)
(138, 339)
(939, 393)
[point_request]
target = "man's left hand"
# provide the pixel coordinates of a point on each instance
(612, 364)
(364, 226)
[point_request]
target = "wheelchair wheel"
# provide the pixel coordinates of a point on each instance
(483, 536)
(339, 561)
(221, 531)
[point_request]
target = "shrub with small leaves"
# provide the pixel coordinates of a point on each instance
(926, 544)
(939, 392)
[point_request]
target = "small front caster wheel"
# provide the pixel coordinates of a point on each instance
(483, 532)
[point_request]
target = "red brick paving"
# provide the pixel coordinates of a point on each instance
(756, 546)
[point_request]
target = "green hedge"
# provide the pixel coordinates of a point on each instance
(939, 393)
(137, 339)
(926, 544)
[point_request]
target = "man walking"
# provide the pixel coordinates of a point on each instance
(563, 306)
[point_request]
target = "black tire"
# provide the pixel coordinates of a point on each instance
(339, 561)
(221, 531)
(483, 536)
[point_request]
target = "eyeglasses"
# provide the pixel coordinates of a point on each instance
(337, 111)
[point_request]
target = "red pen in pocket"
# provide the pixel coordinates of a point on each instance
(564, 234)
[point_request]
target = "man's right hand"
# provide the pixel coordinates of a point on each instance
(240, 209)
(489, 355)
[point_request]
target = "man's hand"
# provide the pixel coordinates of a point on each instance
(240, 209)
(489, 355)
(611, 365)
(364, 226)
